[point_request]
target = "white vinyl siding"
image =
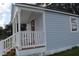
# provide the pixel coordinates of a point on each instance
(58, 31)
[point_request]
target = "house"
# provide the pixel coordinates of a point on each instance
(40, 31)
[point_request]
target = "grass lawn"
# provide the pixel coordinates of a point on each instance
(74, 51)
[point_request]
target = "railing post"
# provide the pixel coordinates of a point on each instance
(14, 41)
(18, 40)
(1, 47)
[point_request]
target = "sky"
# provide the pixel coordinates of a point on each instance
(5, 13)
(5, 8)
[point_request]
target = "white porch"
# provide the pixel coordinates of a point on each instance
(28, 31)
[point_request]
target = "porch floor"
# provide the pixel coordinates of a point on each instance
(33, 47)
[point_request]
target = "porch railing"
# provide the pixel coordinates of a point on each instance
(24, 39)
(32, 38)
(9, 43)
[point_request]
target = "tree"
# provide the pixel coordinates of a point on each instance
(0, 32)
(8, 29)
(42, 4)
(4, 33)
(1, 28)
(65, 7)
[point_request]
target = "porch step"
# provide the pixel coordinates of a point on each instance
(12, 52)
(32, 51)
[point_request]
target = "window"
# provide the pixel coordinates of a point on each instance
(23, 27)
(74, 24)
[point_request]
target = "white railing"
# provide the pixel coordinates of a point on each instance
(24, 39)
(8, 43)
(32, 38)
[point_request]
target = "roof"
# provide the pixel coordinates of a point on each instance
(42, 8)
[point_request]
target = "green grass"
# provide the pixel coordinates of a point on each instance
(74, 51)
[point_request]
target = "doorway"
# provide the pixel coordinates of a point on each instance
(33, 33)
(33, 25)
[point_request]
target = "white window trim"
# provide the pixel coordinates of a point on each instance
(71, 23)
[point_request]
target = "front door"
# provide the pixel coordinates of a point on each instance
(32, 34)
(33, 25)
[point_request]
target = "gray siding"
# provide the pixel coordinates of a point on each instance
(58, 31)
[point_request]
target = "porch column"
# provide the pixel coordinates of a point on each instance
(44, 28)
(19, 20)
(14, 21)
(18, 36)
(13, 26)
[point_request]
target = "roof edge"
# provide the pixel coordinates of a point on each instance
(41, 8)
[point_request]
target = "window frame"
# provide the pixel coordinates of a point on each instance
(71, 23)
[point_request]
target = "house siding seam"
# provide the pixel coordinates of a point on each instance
(58, 32)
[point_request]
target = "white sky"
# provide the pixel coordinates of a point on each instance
(5, 7)
(5, 11)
